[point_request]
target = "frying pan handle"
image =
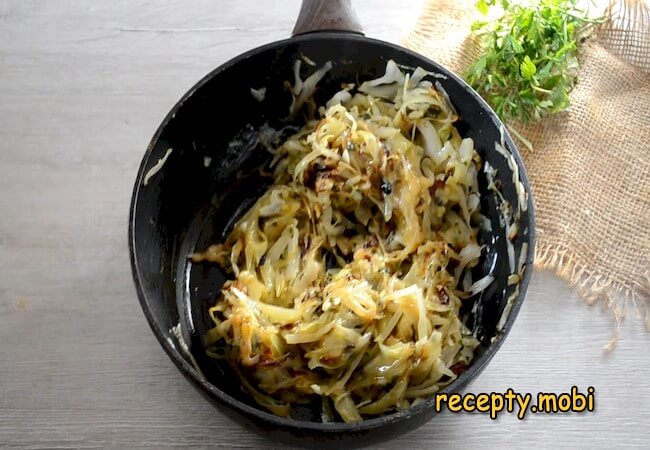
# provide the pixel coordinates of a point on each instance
(330, 15)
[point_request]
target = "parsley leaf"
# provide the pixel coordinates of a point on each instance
(530, 58)
(482, 6)
(527, 68)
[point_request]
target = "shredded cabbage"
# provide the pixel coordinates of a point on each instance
(346, 275)
(156, 167)
(259, 94)
(509, 220)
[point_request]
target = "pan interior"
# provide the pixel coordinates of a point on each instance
(210, 179)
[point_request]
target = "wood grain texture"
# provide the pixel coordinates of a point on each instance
(326, 15)
(83, 85)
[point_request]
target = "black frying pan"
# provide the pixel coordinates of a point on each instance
(188, 206)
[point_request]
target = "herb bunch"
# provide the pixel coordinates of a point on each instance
(530, 63)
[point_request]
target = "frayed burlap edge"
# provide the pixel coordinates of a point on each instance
(626, 31)
(596, 288)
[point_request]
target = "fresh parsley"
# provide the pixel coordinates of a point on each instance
(530, 62)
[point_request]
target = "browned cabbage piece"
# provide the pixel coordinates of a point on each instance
(348, 274)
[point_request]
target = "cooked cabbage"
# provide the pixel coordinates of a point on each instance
(346, 275)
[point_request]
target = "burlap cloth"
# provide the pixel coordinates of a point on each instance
(590, 166)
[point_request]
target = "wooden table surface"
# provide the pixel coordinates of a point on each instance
(83, 86)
